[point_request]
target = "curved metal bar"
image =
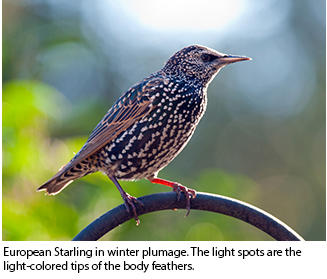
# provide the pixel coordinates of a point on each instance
(203, 201)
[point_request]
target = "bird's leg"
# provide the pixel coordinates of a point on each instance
(178, 188)
(128, 199)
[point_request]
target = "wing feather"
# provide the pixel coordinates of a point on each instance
(135, 104)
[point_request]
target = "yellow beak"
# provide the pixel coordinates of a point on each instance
(227, 59)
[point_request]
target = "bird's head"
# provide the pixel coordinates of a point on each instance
(199, 63)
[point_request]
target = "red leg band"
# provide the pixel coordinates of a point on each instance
(163, 182)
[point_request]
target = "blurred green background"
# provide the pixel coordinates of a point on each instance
(262, 139)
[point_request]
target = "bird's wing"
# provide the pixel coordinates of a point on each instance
(135, 104)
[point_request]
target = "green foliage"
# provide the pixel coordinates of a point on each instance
(28, 159)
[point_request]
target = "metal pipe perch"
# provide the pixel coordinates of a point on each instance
(203, 201)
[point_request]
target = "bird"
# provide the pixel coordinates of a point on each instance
(148, 126)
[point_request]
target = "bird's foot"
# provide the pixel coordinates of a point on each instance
(130, 202)
(189, 194)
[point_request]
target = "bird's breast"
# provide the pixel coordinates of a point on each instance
(156, 139)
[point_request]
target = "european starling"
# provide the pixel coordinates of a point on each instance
(149, 125)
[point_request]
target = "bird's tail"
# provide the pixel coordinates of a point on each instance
(62, 179)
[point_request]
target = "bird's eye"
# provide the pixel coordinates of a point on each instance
(208, 57)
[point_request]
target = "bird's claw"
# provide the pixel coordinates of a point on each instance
(130, 202)
(189, 194)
